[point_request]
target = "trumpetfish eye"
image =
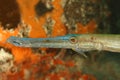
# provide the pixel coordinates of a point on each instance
(73, 40)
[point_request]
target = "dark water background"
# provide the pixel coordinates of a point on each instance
(107, 65)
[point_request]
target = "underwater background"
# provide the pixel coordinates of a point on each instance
(51, 18)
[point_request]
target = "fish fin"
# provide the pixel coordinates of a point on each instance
(82, 52)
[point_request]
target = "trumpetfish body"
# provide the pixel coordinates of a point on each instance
(77, 42)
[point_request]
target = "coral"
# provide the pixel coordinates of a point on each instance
(6, 60)
(9, 14)
(41, 18)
